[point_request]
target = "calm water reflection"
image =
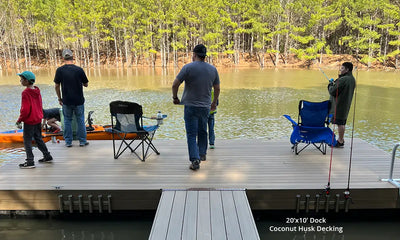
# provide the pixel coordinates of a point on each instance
(44, 229)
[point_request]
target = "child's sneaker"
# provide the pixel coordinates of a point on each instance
(46, 159)
(27, 165)
(212, 146)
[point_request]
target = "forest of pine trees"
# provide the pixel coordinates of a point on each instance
(123, 33)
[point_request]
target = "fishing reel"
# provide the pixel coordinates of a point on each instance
(327, 189)
(90, 122)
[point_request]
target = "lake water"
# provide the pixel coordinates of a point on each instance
(251, 106)
(270, 225)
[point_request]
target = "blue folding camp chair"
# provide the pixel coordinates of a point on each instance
(312, 127)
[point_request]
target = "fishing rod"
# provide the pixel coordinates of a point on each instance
(347, 192)
(329, 79)
(328, 186)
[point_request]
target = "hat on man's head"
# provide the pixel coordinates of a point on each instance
(28, 75)
(200, 50)
(67, 54)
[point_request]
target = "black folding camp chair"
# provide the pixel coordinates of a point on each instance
(127, 127)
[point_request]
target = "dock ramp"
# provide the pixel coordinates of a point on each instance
(204, 214)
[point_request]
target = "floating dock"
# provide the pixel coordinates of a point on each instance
(89, 179)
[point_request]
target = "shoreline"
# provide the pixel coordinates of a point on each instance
(331, 62)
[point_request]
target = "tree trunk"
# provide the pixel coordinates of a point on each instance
(251, 44)
(92, 46)
(287, 43)
(168, 45)
(322, 50)
(162, 46)
(10, 56)
(120, 52)
(127, 50)
(25, 51)
(115, 49)
(385, 48)
(15, 52)
(277, 46)
(369, 49)
(397, 56)
(97, 51)
(87, 56)
(4, 56)
(37, 47)
(174, 51)
(236, 55)
(108, 53)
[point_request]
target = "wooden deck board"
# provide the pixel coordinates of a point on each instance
(217, 216)
(163, 216)
(245, 164)
(177, 213)
(189, 230)
(246, 221)
(230, 216)
(203, 216)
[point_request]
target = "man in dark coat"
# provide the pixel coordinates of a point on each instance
(341, 94)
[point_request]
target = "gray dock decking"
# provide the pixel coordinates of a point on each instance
(269, 171)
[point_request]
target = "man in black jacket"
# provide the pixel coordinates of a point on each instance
(341, 94)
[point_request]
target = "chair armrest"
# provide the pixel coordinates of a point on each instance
(291, 120)
(155, 117)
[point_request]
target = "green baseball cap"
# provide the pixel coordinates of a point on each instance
(28, 75)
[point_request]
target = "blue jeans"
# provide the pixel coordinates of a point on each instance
(79, 112)
(211, 134)
(196, 131)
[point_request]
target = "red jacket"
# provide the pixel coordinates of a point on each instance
(31, 106)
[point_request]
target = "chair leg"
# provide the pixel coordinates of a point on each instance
(149, 141)
(113, 140)
(146, 138)
(122, 149)
(296, 148)
(143, 154)
(321, 147)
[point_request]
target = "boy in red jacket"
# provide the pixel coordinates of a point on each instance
(31, 114)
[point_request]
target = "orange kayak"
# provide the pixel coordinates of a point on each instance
(99, 132)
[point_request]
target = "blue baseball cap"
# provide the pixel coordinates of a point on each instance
(28, 75)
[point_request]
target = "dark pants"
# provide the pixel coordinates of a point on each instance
(211, 123)
(35, 132)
